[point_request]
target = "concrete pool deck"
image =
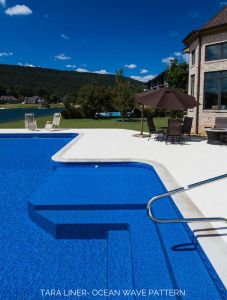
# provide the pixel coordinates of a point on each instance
(177, 165)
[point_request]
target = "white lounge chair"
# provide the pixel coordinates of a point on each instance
(55, 123)
(30, 122)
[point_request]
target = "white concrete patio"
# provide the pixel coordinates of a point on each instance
(177, 165)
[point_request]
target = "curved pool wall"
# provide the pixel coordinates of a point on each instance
(93, 231)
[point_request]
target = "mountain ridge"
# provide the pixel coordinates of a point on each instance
(55, 81)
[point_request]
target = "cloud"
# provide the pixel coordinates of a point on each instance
(26, 65)
(64, 37)
(143, 71)
(62, 56)
(179, 55)
(71, 66)
(6, 54)
(223, 3)
(131, 66)
(186, 57)
(183, 56)
(143, 78)
(167, 60)
(194, 14)
(29, 65)
(174, 34)
(101, 72)
(81, 70)
(18, 10)
(3, 2)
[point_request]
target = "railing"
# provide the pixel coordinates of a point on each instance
(178, 191)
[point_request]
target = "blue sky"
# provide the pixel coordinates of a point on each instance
(97, 35)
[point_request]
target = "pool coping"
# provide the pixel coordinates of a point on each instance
(183, 202)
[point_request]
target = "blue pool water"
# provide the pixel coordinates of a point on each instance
(85, 226)
(114, 114)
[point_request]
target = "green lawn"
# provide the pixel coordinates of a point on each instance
(19, 105)
(89, 123)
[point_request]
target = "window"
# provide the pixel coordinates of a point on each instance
(215, 90)
(193, 85)
(215, 52)
(193, 57)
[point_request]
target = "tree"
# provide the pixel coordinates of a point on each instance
(23, 91)
(124, 94)
(71, 98)
(177, 75)
(42, 92)
(91, 98)
(2, 91)
(55, 98)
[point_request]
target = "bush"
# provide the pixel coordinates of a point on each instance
(70, 112)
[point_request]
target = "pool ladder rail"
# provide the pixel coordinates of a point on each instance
(178, 191)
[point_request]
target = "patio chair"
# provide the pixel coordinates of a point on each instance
(174, 130)
(55, 123)
(153, 130)
(187, 126)
(220, 123)
(30, 122)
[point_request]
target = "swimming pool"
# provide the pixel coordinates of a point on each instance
(84, 226)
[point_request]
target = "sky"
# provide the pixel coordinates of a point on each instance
(100, 36)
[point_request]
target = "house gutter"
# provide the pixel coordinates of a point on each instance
(198, 86)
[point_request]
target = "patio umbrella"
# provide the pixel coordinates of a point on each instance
(165, 98)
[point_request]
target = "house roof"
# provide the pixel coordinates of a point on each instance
(217, 24)
(219, 19)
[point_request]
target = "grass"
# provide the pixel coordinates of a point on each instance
(89, 123)
(19, 105)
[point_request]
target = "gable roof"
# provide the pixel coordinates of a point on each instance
(219, 19)
(215, 25)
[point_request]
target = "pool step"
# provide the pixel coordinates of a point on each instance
(61, 225)
(140, 254)
(133, 255)
(120, 273)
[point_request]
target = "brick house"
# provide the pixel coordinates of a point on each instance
(8, 99)
(34, 100)
(207, 47)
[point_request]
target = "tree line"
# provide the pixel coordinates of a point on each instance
(20, 92)
(95, 98)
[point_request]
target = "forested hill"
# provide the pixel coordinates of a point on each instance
(54, 81)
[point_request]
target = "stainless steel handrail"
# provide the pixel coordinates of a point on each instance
(181, 190)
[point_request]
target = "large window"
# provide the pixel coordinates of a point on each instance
(193, 57)
(215, 90)
(193, 85)
(216, 51)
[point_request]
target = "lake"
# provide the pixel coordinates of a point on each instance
(16, 114)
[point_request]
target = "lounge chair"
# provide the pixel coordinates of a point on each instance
(153, 130)
(55, 123)
(220, 123)
(187, 126)
(30, 122)
(174, 131)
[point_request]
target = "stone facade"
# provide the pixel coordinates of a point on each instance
(206, 117)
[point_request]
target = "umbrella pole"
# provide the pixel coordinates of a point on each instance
(142, 117)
